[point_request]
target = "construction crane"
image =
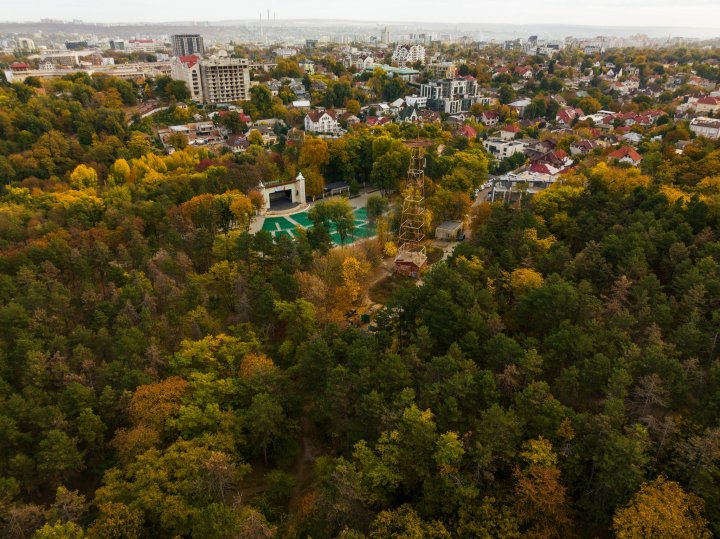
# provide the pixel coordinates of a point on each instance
(411, 257)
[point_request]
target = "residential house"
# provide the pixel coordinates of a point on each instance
(706, 127)
(519, 106)
(430, 117)
(308, 66)
(196, 134)
(500, 71)
(633, 138)
(409, 114)
(466, 131)
(490, 117)
(509, 132)
(237, 143)
(524, 72)
(318, 86)
(396, 105)
(377, 121)
(583, 147)
(501, 149)
(274, 87)
(267, 133)
(346, 118)
(513, 186)
(707, 105)
(626, 154)
(321, 121)
(566, 115)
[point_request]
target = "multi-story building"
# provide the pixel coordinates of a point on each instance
(502, 149)
(187, 69)
(511, 187)
(321, 121)
(76, 45)
(408, 54)
(359, 61)
(218, 80)
(145, 45)
(225, 80)
(385, 36)
(26, 44)
(451, 96)
(117, 44)
(187, 44)
(443, 70)
(285, 52)
(416, 101)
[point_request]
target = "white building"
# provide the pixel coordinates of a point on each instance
(321, 121)
(144, 45)
(416, 101)
(706, 127)
(706, 105)
(285, 52)
(502, 149)
(308, 66)
(187, 69)
(510, 187)
(408, 54)
(26, 44)
(292, 191)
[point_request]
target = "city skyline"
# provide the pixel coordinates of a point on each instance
(615, 13)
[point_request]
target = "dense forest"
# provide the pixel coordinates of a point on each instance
(164, 373)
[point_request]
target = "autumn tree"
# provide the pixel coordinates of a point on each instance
(314, 153)
(540, 498)
(661, 508)
(83, 177)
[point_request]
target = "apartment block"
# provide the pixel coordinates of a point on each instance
(225, 80)
(187, 44)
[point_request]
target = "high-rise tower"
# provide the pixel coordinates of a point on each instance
(187, 44)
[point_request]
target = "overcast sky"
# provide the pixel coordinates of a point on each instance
(675, 13)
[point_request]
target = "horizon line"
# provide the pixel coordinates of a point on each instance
(378, 22)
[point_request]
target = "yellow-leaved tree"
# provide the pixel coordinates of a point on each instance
(353, 272)
(83, 177)
(661, 508)
(525, 279)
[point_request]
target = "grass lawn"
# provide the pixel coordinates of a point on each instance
(433, 255)
(381, 291)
